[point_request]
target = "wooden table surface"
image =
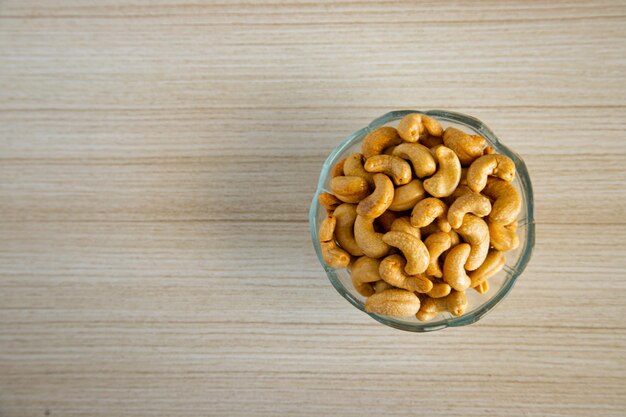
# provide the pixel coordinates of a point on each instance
(157, 161)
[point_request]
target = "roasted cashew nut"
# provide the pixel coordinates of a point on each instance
(329, 201)
(406, 196)
(353, 167)
(453, 267)
(455, 303)
(395, 167)
(364, 273)
(337, 170)
(394, 303)
(413, 249)
(403, 224)
(468, 203)
(440, 289)
(391, 271)
(377, 203)
(410, 127)
(507, 202)
(420, 156)
(466, 147)
(334, 256)
(437, 243)
(349, 189)
(503, 237)
(493, 264)
(432, 125)
(447, 177)
(369, 240)
(495, 165)
(429, 209)
(377, 140)
(475, 231)
(344, 230)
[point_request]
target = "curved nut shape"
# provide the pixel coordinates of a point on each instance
(403, 224)
(447, 177)
(364, 273)
(420, 156)
(391, 270)
(468, 203)
(432, 126)
(386, 219)
(329, 201)
(429, 209)
(410, 127)
(493, 264)
(507, 202)
(344, 230)
(453, 267)
(440, 289)
(502, 238)
(454, 238)
(327, 229)
(475, 231)
(394, 303)
(406, 196)
(353, 167)
(333, 255)
(349, 189)
(455, 303)
(495, 165)
(378, 140)
(397, 168)
(430, 141)
(337, 170)
(466, 147)
(370, 241)
(377, 203)
(413, 249)
(382, 285)
(437, 243)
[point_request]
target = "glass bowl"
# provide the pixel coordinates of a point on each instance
(499, 285)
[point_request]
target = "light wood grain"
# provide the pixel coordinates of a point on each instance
(157, 161)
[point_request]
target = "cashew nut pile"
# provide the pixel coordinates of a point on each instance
(419, 217)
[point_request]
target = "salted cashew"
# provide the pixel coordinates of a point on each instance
(429, 209)
(379, 139)
(344, 230)
(394, 303)
(475, 231)
(410, 127)
(489, 150)
(447, 177)
(482, 288)
(370, 241)
(395, 167)
(503, 237)
(403, 224)
(468, 203)
(439, 290)
(364, 273)
(413, 249)
(353, 167)
(507, 202)
(349, 189)
(467, 147)
(382, 285)
(406, 196)
(379, 200)
(432, 125)
(420, 156)
(386, 219)
(333, 255)
(437, 243)
(453, 267)
(337, 170)
(329, 201)
(495, 165)
(326, 232)
(494, 262)
(455, 303)
(391, 270)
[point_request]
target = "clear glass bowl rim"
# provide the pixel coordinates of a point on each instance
(529, 224)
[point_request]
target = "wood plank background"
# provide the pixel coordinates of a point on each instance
(157, 160)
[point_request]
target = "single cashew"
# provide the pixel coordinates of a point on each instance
(422, 160)
(364, 273)
(326, 231)
(453, 267)
(439, 290)
(353, 167)
(475, 231)
(503, 237)
(482, 288)
(489, 150)
(466, 147)
(413, 249)
(337, 170)
(378, 140)
(429, 209)
(369, 240)
(493, 264)
(344, 231)
(433, 127)
(333, 255)
(455, 303)
(386, 219)
(406, 196)
(430, 141)
(403, 224)
(394, 303)
(382, 285)
(397, 168)
(329, 201)
(495, 165)
(447, 177)
(391, 270)
(410, 127)
(377, 203)
(507, 202)
(468, 203)
(437, 243)
(349, 189)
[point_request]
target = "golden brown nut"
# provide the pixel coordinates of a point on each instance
(403, 224)
(379, 201)
(369, 240)
(420, 156)
(406, 196)
(378, 140)
(507, 202)
(353, 167)
(410, 127)
(455, 303)
(495, 165)
(437, 243)
(397, 168)
(466, 147)
(453, 267)
(503, 237)
(329, 201)
(429, 209)
(337, 170)
(344, 230)
(494, 262)
(394, 303)
(349, 189)
(386, 219)
(391, 270)
(364, 273)
(413, 249)
(468, 203)
(475, 231)
(439, 290)
(445, 180)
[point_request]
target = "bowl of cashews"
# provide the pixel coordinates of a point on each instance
(423, 219)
